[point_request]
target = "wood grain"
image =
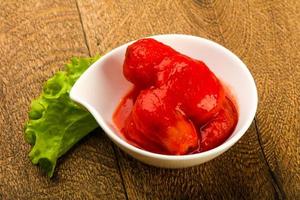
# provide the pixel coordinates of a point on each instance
(239, 26)
(237, 174)
(265, 34)
(36, 38)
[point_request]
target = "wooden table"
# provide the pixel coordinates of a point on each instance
(38, 36)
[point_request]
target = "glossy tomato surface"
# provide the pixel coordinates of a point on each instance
(178, 106)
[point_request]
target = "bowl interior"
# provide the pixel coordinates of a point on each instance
(102, 86)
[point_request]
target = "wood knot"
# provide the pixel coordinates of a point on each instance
(205, 3)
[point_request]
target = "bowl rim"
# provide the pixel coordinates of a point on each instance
(122, 142)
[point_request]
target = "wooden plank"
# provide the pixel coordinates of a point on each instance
(242, 172)
(266, 35)
(36, 38)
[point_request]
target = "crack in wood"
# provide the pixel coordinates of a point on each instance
(280, 194)
(119, 168)
(217, 28)
(90, 54)
(83, 30)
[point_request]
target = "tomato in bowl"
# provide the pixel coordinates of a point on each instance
(101, 88)
(178, 106)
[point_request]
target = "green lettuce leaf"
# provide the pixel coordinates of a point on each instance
(55, 122)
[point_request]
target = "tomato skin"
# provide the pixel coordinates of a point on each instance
(151, 63)
(157, 120)
(139, 139)
(219, 129)
(141, 59)
(178, 105)
(196, 88)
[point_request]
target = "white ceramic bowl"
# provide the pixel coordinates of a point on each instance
(102, 86)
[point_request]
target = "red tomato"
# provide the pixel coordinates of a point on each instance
(196, 88)
(177, 94)
(140, 61)
(215, 132)
(157, 120)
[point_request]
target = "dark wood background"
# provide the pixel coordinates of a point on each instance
(38, 36)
